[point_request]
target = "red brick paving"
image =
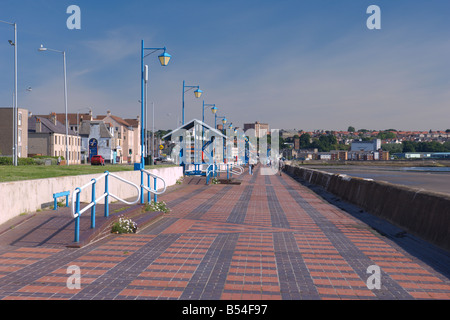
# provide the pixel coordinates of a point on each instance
(189, 255)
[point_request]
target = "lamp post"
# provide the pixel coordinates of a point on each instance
(224, 121)
(197, 93)
(164, 59)
(208, 105)
(43, 49)
(15, 109)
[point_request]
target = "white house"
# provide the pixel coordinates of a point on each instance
(96, 139)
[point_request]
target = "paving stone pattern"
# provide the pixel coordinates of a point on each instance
(269, 238)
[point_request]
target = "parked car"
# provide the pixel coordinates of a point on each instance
(97, 160)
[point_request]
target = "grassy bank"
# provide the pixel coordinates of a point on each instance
(11, 173)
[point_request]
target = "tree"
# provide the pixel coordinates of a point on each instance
(305, 141)
(383, 135)
(351, 129)
(408, 146)
(393, 147)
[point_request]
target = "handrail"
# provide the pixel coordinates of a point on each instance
(77, 212)
(210, 170)
(240, 168)
(155, 177)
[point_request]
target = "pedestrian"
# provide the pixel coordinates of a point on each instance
(59, 160)
(281, 166)
(253, 166)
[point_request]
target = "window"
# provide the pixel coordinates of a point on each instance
(19, 122)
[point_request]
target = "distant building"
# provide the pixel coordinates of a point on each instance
(126, 136)
(366, 146)
(48, 137)
(261, 129)
(96, 139)
(6, 129)
(74, 119)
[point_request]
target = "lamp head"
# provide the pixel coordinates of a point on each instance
(224, 120)
(42, 48)
(198, 93)
(214, 110)
(164, 59)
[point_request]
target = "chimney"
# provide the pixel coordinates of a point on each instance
(108, 113)
(38, 125)
(90, 114)
(53, 118)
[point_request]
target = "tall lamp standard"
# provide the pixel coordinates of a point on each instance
(197, 93)
(42, 49)
(208, 105)
(15, 92)
(164, 59)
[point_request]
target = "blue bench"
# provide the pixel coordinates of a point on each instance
(59, 195)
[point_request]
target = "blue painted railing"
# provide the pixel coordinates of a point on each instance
(59, 195)
(77, 211)
(149, 188)
(214, 170)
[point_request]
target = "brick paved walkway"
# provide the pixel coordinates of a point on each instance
(268, 238)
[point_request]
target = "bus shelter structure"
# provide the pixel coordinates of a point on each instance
(196, 145)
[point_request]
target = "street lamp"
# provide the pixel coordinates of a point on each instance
(224, 120)
(197, 93)
(208, 105)
(43, 49)
(15, 109)
(164, 59)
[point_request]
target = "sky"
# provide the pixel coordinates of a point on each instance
(294, 64)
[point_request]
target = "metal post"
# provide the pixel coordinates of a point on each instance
(142, 186)
(107, 195)
(93, 207)
(155, 197)
(65, 103)
(142, 111)
(15, 98)
(148, 185)
(182, 116)
(77, 219)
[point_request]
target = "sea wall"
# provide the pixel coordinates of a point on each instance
(425, 214)
(29, 196)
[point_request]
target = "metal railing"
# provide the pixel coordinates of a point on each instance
(77, 211)
(148, 187)
(210, 172)
(214, 170)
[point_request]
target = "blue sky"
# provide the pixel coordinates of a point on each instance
(304, 64)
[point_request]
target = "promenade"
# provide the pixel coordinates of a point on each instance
(268, 238)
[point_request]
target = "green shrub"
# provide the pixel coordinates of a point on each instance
(6, 161)
(26, 162)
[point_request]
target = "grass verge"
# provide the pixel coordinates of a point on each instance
(20, 173)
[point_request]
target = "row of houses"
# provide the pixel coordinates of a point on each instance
(347, 137)
(336, 155)
(114, 138)
(359, 150)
